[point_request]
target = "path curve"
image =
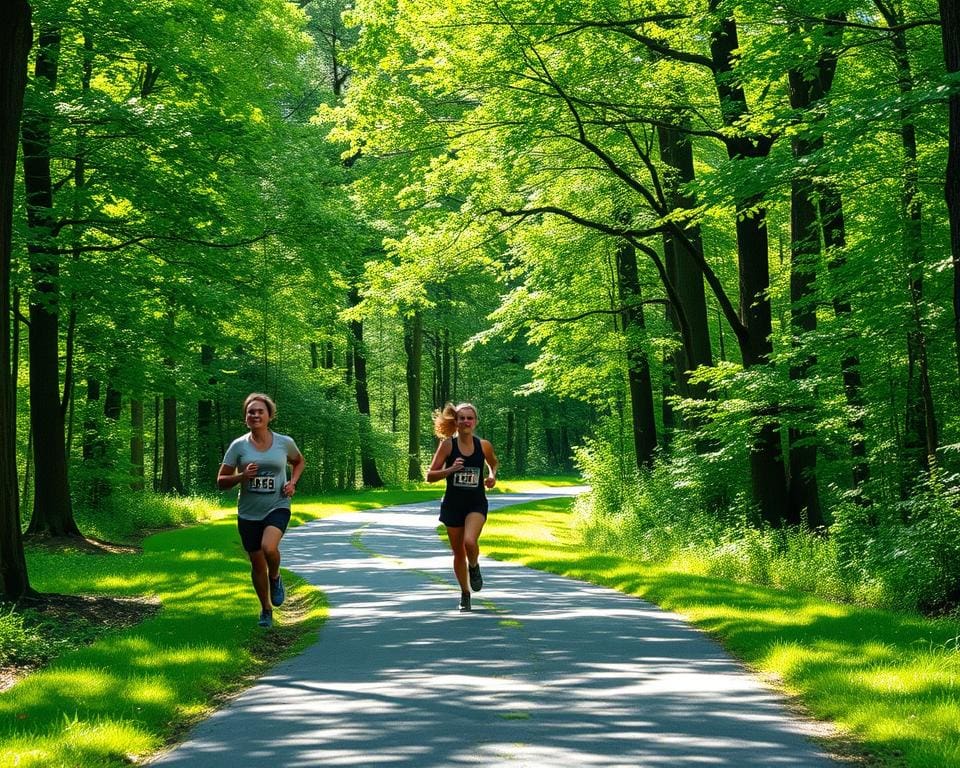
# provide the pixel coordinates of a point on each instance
(546, 672)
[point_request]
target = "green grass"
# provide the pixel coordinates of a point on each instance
(889, 681)
(132, 690)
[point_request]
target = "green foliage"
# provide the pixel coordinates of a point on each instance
(909, 551)
(902, 555)
(124, 516)
(20, 643)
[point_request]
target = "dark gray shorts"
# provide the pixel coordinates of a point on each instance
(251, 531)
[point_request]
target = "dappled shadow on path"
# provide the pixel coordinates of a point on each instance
(545, 671)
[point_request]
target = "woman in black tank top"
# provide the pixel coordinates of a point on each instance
(459, 460)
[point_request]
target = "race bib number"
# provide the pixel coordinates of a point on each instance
(468, 477)
(262, 484)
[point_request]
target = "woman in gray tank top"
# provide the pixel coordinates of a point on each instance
(257, 462)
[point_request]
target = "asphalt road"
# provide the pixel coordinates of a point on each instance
(546, 671)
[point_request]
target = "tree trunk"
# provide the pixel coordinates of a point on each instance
(208, 459)
(15, 39)
(807, 89)
(136, 444)
(768, 477)
(520, 443)
(170, 481)
(676, 151)
(835, 240)
(156, 442)
(950, 32)
(444, 392)
(52, 506)
(413, 345)
(93, 446)
(638, 367)
(368, 466)
(921, 429)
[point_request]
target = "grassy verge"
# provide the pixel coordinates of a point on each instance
(890, 681)
(131, 691)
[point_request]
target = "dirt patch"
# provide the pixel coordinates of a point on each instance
(74, 621)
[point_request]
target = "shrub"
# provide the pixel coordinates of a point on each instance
(19, 644)
(128, 515)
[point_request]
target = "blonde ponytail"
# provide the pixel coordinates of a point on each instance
(445, 421)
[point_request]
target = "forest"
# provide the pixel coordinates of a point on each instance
(704, 253)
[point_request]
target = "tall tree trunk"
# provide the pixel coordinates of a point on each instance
(768, 476)
(444, 393)
(921, 429)
(950, 32)
(157, 421)
(170, 481)
(835, 240)
(208, 459)
(638, 367)
(136, 444)
(807, 90)
(52, 506)
(16, 36)
(676, 151)
(93, 445)
(520, 442)
(368, 466)
(413, 346)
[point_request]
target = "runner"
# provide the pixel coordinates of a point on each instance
(460, 458)
(258, 462)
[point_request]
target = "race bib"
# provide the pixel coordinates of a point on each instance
(262, 484)
(468, 477)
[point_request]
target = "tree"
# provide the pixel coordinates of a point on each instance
(413, 346)
(950, 32)
(52, 505)
(15, 41)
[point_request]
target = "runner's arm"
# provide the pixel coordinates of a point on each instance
(492, 463)
(437, 471)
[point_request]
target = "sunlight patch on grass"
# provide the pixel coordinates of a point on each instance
(148, 690)
(532, 485)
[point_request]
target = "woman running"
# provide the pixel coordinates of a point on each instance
(258, 463)
(460, 458)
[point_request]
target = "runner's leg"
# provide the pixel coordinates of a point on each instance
(258, 574)
(471, 536)
(455, 536)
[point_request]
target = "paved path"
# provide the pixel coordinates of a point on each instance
(546, 672)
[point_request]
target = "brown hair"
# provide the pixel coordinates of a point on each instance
(445, 420)
(265, 399)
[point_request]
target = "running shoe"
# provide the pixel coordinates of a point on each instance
(266, 619)
(465, 602)
(476, 580)
(277, 593)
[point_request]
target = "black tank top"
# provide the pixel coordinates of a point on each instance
(466, 484)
